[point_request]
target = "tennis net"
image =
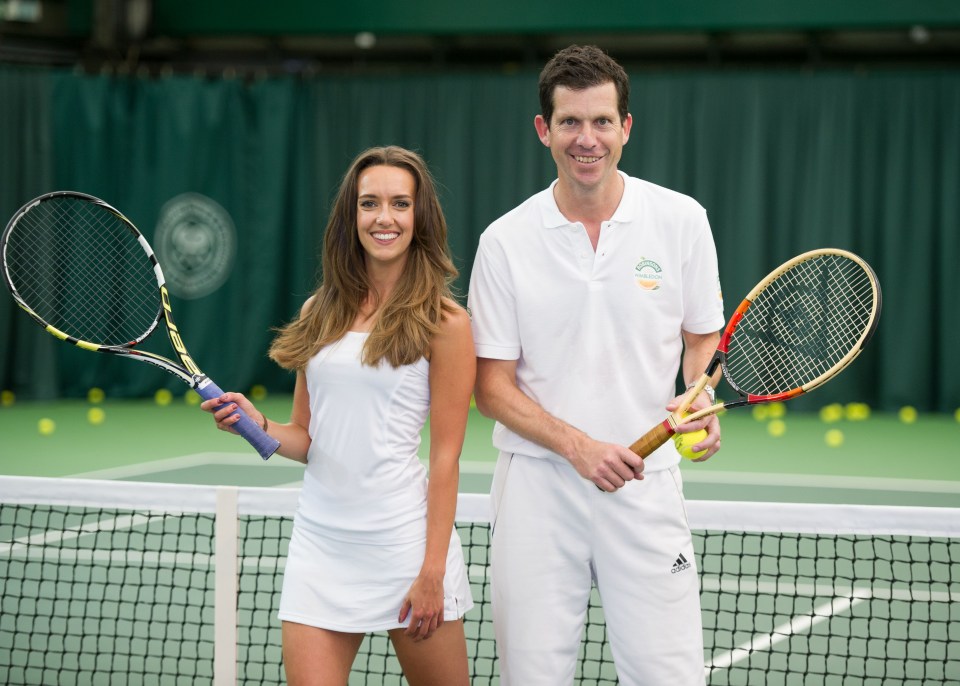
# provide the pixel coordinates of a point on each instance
(113, 582)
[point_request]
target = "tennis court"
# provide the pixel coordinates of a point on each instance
(819, 564)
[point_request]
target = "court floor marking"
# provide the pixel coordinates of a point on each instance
(485, 467)
(799, 624)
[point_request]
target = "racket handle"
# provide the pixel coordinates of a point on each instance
(654, 438)
(263, 443)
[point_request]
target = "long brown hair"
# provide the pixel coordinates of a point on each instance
(412, 313)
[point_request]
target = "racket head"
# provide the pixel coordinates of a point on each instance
(82, 270)
(801, 325)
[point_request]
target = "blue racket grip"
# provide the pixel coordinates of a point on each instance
(263, 443)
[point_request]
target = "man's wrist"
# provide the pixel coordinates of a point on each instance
(708, 389)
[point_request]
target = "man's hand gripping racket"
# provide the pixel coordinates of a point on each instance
(797, 329)
(85, 273)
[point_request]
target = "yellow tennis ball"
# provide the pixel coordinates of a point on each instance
(908, 415)
(685, 443)
(834, 438)
(7, 398)
(95, 395)
(163, 397)
(191, 398)
(776, 428)
(760, 412)
(956, 414)
(258, 392)
(831, 413)
(46, 426)
(776, 410)
(96, 416)
(857, 412)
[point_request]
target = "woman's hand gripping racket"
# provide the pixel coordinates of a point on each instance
(85, 274)
(796, 330)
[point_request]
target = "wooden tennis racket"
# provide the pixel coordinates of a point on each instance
(797, 329)
(85, 273)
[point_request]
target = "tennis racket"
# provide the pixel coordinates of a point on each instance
(85, 273)
(797, 329)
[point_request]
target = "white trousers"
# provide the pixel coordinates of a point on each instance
(554, 534)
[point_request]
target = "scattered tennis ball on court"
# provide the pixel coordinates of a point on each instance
(46, 426)
(95, 395)
(96, 416)
(163, 397)
(857, 412)
(7, 398)
(685, 443)
(831, 413)
(776, 410)
(834, 438)
(258, 392)
(907, 414)
(191, 398)
(776, 428)
(760, 412)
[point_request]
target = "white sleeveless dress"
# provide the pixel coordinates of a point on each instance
(360, 529)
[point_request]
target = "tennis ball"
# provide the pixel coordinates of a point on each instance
(7, 398)
(163, 397)
(191, 398)
(685, 443)
(776, 428)
(956, 414)
(96, 416)
(857, 412)
(831, 413)
(95, 395)
(258, 392)
(760, 412)
(776, 410)
(46, 426)
(908, 415)
(834, 438)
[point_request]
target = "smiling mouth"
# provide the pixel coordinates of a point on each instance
(586, 160)
(385, 236)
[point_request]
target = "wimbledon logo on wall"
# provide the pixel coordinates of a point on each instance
(196, 243)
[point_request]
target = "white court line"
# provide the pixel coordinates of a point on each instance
(867, 483)
(486, 467)
(797, 625)
(228, 459)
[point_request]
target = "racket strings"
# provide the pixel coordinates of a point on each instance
(83, 271)
(802, 325)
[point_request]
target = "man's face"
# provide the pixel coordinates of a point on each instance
(585, 135)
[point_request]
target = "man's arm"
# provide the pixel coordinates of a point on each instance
(698, 349)
(607, 465)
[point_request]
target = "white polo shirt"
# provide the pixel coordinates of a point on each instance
(596, 335)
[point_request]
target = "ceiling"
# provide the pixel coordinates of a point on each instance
(160, 36)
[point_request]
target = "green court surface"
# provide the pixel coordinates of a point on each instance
(881, 459)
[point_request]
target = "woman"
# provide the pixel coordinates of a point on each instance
(379, 346)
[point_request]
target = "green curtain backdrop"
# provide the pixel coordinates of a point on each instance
(784, 161)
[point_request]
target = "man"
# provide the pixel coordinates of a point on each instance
(585, 299)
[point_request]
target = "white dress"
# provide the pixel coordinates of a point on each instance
(360, 529)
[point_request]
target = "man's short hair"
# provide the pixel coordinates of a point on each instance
(578, 67)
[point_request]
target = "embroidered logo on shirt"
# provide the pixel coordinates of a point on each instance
(648, 274)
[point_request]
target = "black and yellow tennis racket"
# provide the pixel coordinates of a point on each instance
(85, 273)
(797, 329)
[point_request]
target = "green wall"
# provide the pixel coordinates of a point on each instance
(783, 161)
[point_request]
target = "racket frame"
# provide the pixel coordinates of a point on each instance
(659, 434)
(187, 371)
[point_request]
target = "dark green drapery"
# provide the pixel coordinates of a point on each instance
(783, 161)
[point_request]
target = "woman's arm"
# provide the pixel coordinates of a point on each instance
(452, 373)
